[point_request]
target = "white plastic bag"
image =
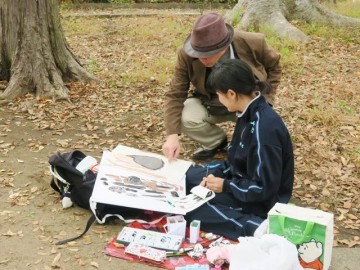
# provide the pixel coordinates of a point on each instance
(270, 252)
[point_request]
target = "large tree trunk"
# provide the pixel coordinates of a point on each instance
(279, 13)
(34, 56)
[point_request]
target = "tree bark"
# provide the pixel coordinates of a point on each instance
(34, 55)
(279, 13)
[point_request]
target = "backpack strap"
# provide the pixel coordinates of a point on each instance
(57, 176)
(93, 218)
(131, 220)
(88, 225)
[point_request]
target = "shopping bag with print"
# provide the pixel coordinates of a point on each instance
(310, 230)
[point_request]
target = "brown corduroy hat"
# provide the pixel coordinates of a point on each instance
(209, 36)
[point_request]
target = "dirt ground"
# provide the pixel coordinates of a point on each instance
(124, 109)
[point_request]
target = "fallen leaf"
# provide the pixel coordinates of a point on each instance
(9, 233)
(347, 204)
(351, 216)
(95, 264)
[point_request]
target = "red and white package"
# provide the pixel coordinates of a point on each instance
(146, 253)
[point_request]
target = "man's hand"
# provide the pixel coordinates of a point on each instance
(171, 147)
(213, 183)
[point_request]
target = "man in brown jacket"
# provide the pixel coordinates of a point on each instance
(194, 109)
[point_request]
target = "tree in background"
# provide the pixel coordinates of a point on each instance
(34, 55)
(279, 13)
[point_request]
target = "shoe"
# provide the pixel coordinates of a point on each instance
(203, 154)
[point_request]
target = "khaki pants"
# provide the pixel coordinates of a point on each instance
(200, 126)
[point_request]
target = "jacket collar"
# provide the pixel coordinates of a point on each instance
(249, 107)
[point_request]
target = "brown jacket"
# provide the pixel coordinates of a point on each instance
(249, 47)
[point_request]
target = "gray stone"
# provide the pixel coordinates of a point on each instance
(345, 259)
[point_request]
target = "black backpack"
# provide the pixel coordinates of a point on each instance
(70, 182)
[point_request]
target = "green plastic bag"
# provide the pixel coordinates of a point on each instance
(310, 230)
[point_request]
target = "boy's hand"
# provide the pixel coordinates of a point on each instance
(213, 183)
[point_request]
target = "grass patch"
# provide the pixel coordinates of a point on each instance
(286, 47)
(346, 8)
(344, 34)
(93, 66)
(355, 155)
(154, 43)
(345, 107)
(156, 70)
(323, 116)
(81, 26)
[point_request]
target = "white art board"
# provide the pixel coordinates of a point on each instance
(137, 179)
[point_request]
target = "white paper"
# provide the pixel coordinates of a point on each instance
(202, 192)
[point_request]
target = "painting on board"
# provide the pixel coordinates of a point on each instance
(134, 178)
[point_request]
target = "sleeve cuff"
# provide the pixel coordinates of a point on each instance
(226, 185)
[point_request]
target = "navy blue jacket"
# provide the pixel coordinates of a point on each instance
(260, 168)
